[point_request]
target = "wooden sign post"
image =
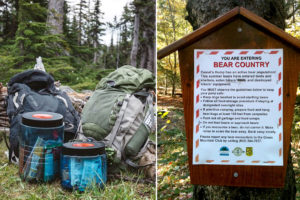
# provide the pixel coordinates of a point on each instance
(239, 76)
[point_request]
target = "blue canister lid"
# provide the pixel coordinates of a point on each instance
(42, 119)
(83, 148)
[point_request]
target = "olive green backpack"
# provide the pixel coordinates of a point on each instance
(120, 112)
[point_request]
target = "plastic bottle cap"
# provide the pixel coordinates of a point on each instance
(83, 145)
(42, 116)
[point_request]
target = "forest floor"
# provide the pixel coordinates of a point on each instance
(173, 171)
(128, 186)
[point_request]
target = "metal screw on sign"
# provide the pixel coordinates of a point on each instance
(239, 29)
(235, 174)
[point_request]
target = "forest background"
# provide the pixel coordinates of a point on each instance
(69, 38)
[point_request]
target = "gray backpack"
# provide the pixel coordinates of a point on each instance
(120, 112)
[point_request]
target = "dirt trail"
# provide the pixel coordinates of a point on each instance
(168, 101)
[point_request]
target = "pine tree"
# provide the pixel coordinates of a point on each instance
(97, 30)
(74, 32)
(32, 18)
(126, 28)
(66, 20)
(7, 19)
(112, 50)
(82, 16)
(143, 45)
(111, 55)
(33, 40)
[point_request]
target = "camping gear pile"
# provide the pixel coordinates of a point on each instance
(46, 129)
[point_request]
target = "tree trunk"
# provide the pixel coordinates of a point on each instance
(201, 12)
(80, 23)
(150, 34)
(118, 48)
(166, 84)
(150, 64)
(144, 26)
(55, 16)
(144, 53)
(174, 66)
(135, 43)
(15, 17)
(173, 88)
(174, 74)
(89, 26)
(95, 59)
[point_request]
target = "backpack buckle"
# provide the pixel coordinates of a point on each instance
(111, 83)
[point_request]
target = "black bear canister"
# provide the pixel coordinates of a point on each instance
(40, 144)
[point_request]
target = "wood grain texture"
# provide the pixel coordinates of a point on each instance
(253, 36)
(220, 21)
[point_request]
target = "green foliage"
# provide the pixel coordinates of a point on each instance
(296, 143)
(63, 58)
(173, 173)
(78, 57)
(31, 39)
(87, 79)
(171, 25)
(126, 29)
(293, 26)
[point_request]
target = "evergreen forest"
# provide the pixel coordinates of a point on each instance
(69, 38)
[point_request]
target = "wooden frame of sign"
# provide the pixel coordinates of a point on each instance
(238, 29)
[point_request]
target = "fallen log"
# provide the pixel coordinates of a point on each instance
(4, 124)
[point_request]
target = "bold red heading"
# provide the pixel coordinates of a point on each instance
(242, 64)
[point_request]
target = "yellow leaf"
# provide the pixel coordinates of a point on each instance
(163, 128)
(165, 114)
(168, 121)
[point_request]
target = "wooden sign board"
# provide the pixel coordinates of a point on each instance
(238, 107)
(256, 161)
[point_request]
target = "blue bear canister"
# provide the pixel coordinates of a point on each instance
(40, 143)
(83, 165)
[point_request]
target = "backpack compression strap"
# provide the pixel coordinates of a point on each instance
(114, 130)
(149, 121)
(131, 163)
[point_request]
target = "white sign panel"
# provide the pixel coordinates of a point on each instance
(238, 107)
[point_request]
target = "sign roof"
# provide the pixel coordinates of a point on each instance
(225, 19)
